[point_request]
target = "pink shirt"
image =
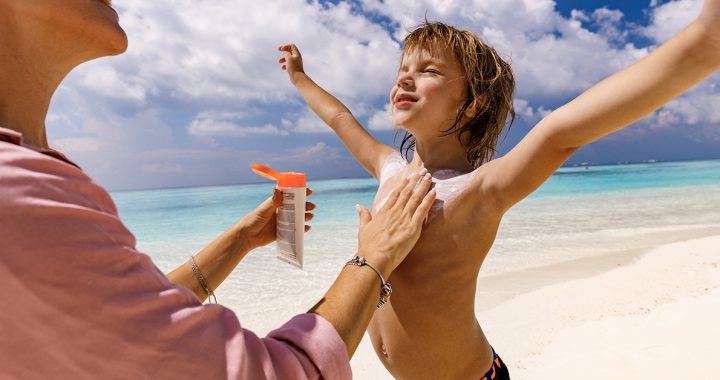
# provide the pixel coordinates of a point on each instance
(78, 301)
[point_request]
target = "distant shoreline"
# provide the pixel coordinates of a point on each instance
(264, 182)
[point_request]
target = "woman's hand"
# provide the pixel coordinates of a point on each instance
(219, 258)
(258, 227)
(291, 60)
(390, 234)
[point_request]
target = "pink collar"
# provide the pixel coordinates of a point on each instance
(14, 137)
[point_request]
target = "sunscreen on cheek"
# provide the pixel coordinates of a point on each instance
(290, 215)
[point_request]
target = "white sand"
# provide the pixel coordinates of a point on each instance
(654, 318)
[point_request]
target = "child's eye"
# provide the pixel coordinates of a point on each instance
(431, 71)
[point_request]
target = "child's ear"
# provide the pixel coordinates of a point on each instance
(478, 106)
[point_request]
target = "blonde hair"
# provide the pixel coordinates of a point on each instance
(490, 84)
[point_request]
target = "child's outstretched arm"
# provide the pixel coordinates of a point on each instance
(625, 97)
(369, 152)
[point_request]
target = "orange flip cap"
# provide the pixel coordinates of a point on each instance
(285, 179)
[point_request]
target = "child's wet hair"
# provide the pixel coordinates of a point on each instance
(490, 85)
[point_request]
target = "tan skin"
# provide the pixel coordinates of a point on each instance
(430, 330)
(41, 41)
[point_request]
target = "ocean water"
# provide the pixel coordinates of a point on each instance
(578, 212)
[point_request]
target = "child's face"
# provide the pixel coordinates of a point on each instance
(429, 92)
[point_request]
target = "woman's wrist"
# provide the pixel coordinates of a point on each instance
(242, 243)
(385, 287)
(379, 261)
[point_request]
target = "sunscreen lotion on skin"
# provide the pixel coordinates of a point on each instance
(290, 215)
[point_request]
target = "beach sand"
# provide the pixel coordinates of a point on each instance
(649, 314)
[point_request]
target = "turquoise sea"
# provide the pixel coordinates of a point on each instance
(578, 212)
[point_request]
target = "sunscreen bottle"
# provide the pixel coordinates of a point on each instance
(290, 215)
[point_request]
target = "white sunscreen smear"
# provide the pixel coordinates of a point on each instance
(290, 215)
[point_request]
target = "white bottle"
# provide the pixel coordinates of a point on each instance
(290, 215)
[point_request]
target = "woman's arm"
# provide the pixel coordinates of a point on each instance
(367, 150)
(385, 239)
(623, 98)
(219, 259)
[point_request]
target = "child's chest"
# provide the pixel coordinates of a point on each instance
(452, 190)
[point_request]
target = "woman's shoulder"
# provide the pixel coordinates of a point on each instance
(32, 177)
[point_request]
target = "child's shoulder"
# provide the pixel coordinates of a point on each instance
(393, 164)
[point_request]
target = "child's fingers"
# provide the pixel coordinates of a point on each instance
(309, 216)
(308, 191)
(422, 211)
(309, 206)
(283, 67)
(282, 59)
(307, 228)
(293, 49)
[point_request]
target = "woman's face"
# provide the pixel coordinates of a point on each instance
(89, 27)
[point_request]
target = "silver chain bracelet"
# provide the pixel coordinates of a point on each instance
(385, 290)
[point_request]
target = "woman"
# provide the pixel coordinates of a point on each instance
(79, 301)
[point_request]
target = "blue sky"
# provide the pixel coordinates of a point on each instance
(199, 96)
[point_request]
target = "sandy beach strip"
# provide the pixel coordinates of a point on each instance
(628, 315)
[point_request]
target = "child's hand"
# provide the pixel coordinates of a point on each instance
(291, 60)
(710, 19)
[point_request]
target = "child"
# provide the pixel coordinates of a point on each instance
(453, 97)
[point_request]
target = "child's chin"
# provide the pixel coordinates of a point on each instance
(402, 124)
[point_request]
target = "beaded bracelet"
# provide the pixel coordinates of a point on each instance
(201, 280)
(385, 290)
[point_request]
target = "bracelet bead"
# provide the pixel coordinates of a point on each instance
(385, 289)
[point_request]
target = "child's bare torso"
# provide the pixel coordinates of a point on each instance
(429, 330)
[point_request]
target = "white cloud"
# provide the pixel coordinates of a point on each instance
(381, 120)
(106, 81)
(670, 18)
(317, 153)
(210, 127)
(696, 114)
(72, 145)
(609, 23)
(308, 122)
(704, 108)
(531, 115)
(317, 148)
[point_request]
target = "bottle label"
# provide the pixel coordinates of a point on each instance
(291, 226)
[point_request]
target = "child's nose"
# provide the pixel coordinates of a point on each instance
(405, 81)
